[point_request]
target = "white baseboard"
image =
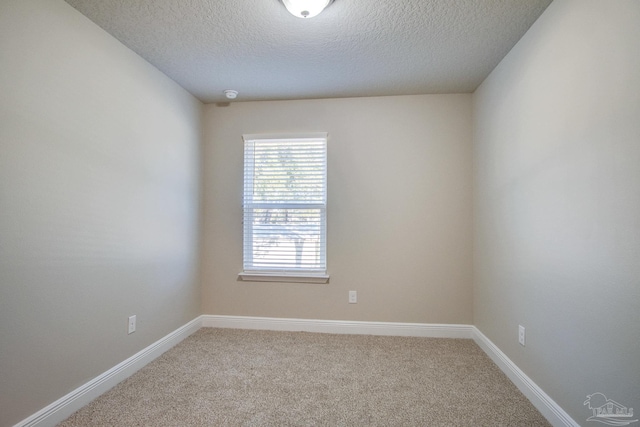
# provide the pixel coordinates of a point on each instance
(547, 406)
(64, 407)
(339, 326)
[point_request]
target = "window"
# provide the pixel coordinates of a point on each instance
(285, 206)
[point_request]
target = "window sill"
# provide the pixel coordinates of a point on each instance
(287, 278)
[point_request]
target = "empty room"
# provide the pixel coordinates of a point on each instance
(330, 212)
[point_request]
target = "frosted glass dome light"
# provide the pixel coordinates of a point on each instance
(306, 8)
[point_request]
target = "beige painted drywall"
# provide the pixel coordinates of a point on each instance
(399, 209)
(557, 203)
(99, 202)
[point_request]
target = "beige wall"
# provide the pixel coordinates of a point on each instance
(99, 184)
(557, 203)
(399, 209)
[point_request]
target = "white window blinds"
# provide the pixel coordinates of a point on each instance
(285, 197)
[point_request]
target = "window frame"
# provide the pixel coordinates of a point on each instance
(286, 275)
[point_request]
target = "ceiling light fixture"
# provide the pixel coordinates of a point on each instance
(306, 8)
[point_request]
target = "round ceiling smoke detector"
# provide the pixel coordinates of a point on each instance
(231, 94)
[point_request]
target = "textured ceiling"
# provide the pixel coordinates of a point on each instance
(354, 48)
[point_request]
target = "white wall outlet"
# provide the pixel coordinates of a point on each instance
(353, 297)
(521, 335)
(132, 324)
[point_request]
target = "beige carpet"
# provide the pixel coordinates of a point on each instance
(224, 377)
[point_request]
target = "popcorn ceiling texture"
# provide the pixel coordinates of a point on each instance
(224, 377)
(354, 48)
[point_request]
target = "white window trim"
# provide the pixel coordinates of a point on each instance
(285, 277)
(281, 136)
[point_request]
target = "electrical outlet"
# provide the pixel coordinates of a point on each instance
(521, 335)
(132, 324)
(353, 297)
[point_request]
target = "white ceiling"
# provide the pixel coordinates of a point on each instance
(354, 48)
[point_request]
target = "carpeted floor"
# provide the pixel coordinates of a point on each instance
(225, 377)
